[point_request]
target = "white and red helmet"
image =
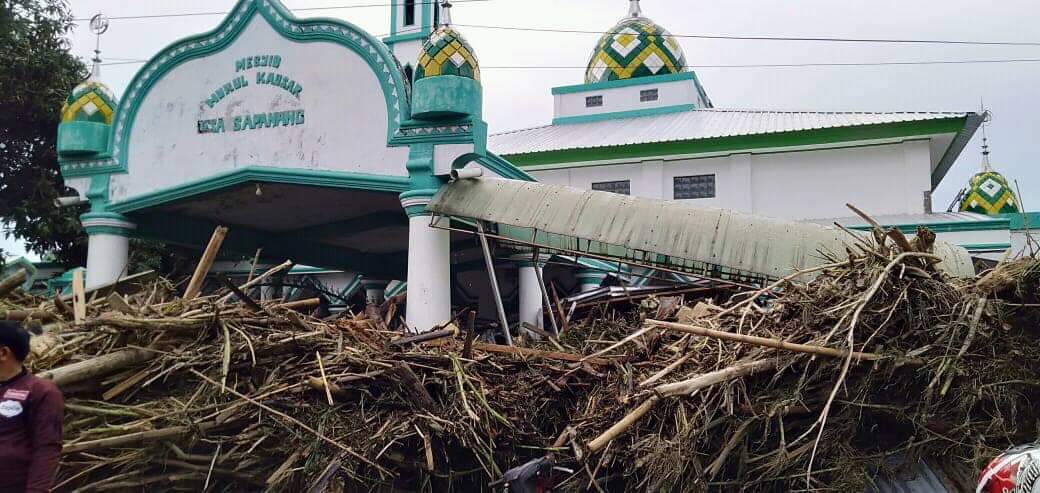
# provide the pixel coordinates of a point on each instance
(1015, 471)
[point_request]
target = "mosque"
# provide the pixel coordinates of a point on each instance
(314, 141)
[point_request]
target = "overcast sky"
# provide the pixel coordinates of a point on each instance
(519, 98)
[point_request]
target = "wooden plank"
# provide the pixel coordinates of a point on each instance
(202, 269)
(79, 297)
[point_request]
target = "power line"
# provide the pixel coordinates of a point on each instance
(768, 38)
(737, 66)
(731, 37)
(302, 9)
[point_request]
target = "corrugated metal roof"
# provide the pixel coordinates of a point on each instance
(910, 219)
(745, 243)
(689, 125)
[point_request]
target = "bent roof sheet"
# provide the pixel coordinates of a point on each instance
(746, 243)
(691, 125)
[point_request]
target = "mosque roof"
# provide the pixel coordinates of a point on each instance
(692, 125)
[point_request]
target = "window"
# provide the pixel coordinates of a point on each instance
(693, 187)
(436, 15)
(647, 95)
(409, 12)
(593, 101)
(623, 187)
(408, 74)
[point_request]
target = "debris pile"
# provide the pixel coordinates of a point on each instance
(798, 386)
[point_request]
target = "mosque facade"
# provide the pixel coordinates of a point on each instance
(248, 126)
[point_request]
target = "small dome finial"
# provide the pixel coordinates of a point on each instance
(986, 117)
(633, 9)
(98, 26)
(445, 13)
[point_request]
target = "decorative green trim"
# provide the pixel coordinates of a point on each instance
(82, 139)
(741, 142)
(420, 35)
(108, 230)
(1022, 220)
(370, 49)
(986, 246)
(503, 168)
(615, 115)
(112, 228)
(446, 96)
(415, 202)
(292, 176)
(614, 84)
(945, 226)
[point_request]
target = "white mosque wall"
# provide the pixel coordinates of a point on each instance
(679, 92)
(342, 127)
(807, 184)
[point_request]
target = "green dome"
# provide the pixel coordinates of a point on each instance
(635, 47)
(989, 193)
(90, 101)
(446, 52)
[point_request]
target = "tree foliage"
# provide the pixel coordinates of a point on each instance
(38, 74)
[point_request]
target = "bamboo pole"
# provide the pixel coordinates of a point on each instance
(778, 344)
(95, 367)
(208, 256)
(684, 387)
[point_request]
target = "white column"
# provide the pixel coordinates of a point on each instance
(531, 299)
(429, 270)
(375, 291)
(108, 247)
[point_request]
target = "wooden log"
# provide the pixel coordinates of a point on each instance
(739, 370)
(12, 282)
(22, 315)
(117, 303)
(63, 307)
(298, 304)
(537, 353)
(160, 324)
(673, 389)
(202, 269)
(778, 344)
(416, 391)
(450, 331)
(95, 367)
(319, 385)
(131, 439)
(618, 428)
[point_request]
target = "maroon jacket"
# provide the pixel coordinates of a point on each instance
(31, 411)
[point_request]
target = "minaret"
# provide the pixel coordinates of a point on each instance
(411, 23)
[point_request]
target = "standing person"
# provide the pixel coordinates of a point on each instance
(31, 411)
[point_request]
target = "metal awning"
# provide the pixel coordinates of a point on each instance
(714, 242)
